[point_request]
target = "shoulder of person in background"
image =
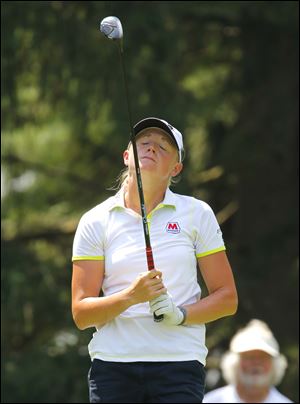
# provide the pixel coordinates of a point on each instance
(225, 394)
(276, 397)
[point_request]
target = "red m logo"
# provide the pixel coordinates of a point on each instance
(173, 227)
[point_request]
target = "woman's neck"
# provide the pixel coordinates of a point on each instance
(153, 195)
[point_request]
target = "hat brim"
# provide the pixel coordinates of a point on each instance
(255, 347)
(154, 123)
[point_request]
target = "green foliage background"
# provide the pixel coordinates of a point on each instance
(225, 73)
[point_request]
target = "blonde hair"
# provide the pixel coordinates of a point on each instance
(122, 178)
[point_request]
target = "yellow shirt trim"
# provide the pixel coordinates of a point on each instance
(210, 252)
(88, 258)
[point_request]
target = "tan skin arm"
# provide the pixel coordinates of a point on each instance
(90, 310)
(222, 299)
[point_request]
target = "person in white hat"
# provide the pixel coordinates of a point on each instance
(252, 367)
(134, 358)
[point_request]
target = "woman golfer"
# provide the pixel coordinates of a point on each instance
(135, 359)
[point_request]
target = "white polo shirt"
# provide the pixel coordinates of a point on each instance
(228, 394)
(181, 228)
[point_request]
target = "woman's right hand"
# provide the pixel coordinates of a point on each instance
(146, 286)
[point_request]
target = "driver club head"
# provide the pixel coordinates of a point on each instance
(111, 27)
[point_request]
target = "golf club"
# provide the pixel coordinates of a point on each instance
(111, 27)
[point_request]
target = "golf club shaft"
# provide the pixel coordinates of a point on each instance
(149, 254)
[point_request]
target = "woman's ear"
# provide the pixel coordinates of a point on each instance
(126, 157)
(177, 169)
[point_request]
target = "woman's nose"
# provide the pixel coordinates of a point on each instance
(151, 146)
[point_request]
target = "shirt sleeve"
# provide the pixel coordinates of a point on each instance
(89, 239)
(209, 239)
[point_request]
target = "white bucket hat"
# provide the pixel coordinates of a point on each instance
(256, 335)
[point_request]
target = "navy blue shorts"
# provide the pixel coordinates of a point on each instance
(146, 382)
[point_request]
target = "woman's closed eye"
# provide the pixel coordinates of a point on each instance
(160, 145)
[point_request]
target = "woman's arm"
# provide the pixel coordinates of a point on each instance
(222, 299)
